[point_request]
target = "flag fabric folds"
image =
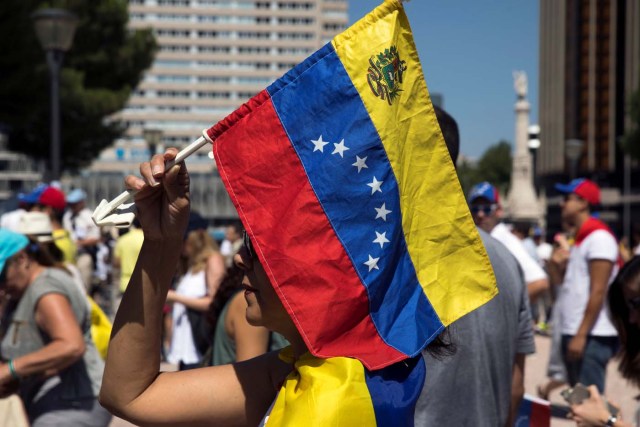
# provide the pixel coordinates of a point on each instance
(341, 177)
(533, 412)
(340, 392)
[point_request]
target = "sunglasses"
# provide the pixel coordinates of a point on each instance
(634, 303)
(247, 244)
(485, 209)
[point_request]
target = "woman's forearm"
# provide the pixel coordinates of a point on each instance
(133, 360)
(54, 357)
(197, 304)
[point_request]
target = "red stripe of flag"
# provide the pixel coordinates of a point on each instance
(306, 263)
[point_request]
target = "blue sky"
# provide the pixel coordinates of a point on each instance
(468, 50)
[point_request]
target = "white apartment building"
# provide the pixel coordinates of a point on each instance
(213, 56)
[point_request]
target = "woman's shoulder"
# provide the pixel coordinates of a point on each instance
(55, 278)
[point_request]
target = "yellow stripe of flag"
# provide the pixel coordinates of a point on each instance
(443, 243)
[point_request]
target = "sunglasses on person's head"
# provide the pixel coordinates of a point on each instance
(247, 244)
(485, 209)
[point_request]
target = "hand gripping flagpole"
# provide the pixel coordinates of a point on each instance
(118, 212)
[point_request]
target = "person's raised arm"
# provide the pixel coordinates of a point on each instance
(132, 387)
(133, 359)
(557, 265)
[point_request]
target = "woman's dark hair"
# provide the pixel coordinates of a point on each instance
(629, 334)
(47, 254)
(231, 284)
(443, 346)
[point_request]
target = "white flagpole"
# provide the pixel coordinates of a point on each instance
(105, 213)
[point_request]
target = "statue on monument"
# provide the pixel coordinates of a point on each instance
(520, 83)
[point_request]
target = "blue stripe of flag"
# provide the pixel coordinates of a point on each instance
(395, 390)
(318, 99)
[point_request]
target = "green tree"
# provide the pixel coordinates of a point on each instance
(467, 174)
(631, 140)
(494, 166)
(105, 63)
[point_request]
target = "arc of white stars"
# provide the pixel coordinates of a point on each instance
(360, 164)
(318, 144)
(372, 263)
(375, 185)
(381, 238)
(382, 212)
(340, 148)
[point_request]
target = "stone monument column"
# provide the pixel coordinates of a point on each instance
(522, 201)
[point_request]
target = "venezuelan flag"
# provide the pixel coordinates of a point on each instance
(341, 177)
(341, 392)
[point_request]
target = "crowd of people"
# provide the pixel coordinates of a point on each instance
(197, 302)
(54, 261)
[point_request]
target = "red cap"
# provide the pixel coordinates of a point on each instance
(54, 198)
(582, 187)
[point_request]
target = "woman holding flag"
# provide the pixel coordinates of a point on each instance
(238, 394)
(356, 311)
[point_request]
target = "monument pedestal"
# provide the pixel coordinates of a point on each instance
(522, 202)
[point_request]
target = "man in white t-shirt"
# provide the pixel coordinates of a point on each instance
(589, 339)
(486, 210)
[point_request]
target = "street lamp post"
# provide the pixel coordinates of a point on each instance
(573, 151)
(55, 29)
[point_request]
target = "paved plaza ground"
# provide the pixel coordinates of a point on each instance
(618, 390)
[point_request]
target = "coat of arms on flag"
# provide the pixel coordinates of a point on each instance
(341, 177)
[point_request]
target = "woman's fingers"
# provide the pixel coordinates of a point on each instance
(170, 153)
(594, 392)
(147, 174)
(132, 182)
(153, 172)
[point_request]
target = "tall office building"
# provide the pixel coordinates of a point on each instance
(214, 55)
(589, 67)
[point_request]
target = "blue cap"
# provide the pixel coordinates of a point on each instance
(582, 187)
(486, 191)
(76, 196)
(34, 195)
(537, 232)
(10, 244)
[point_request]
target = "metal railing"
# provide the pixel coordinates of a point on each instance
(208, 195)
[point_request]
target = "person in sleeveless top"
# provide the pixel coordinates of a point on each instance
(195, 291)
(49, 358)
(235, 339)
